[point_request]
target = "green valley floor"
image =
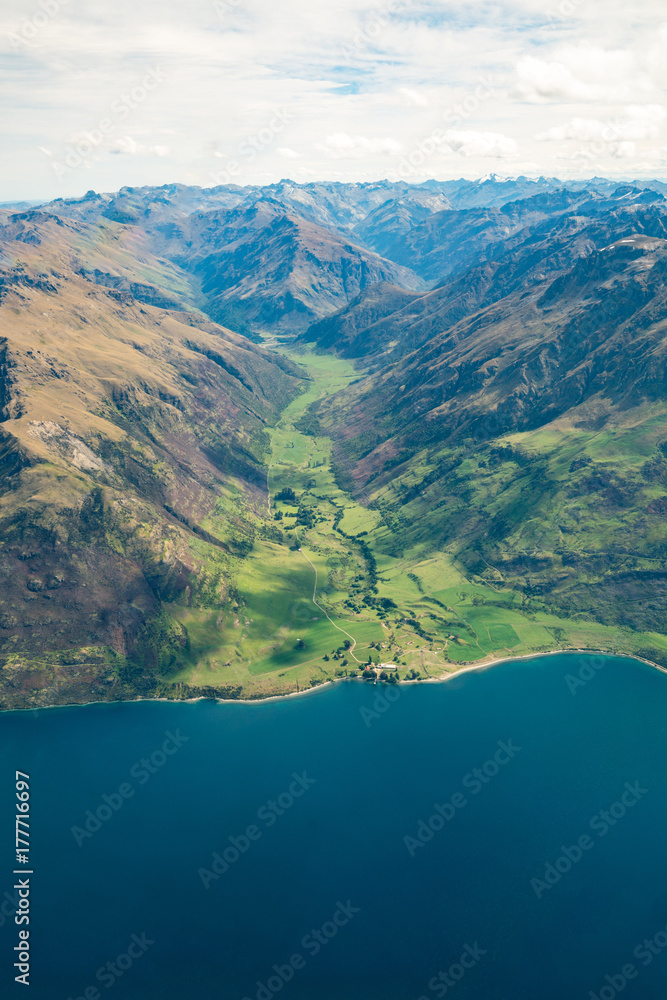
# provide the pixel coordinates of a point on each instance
(319, 596)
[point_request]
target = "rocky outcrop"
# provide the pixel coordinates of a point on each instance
(127, 291)
(5, 381)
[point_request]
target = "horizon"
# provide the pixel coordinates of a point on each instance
(36, 202)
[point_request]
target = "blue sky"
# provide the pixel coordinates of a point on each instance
(98, 95)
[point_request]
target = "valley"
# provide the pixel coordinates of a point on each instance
(417, 609)
(435, 435)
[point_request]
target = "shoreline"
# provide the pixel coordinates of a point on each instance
(482, 665)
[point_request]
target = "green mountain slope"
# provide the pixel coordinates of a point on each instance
(132, 449)
(528, 438)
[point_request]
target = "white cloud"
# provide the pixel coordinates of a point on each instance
(413, 98)
(127, 146)
(468, 143)
(344, 146)
(623, 150)
(633, 123)
(583, 129)
(594, 152)
(644, 121)
(582, 73)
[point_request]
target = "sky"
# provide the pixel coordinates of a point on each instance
(96, 94)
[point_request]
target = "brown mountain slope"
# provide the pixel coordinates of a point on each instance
(263, 268)
(131, 448)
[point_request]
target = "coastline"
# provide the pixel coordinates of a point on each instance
(486, 664)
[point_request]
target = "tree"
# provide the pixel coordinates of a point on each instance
(300, 644)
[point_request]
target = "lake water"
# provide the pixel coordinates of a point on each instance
(333, 847)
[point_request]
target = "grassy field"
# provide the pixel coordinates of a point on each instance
(384, 584)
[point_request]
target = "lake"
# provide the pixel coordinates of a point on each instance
(497, 837)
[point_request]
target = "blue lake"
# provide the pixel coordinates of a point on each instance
(498, 837)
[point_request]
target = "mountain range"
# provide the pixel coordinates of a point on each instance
(495, 394)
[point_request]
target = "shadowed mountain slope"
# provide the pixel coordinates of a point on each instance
(261, 268)
(132, 449)
(517, 416)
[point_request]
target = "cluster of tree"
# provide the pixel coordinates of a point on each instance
(417, 627)
(507, 453)
(272, 533)
(371, 564)
(391, 678)
(305, 517)
(338, 654)
(287, 495)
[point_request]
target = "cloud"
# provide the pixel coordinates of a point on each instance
(633, 123)
(584, 129)
(582, 73)
(290, 154)
(644, 121)
(492, 144)
(623, 150)
(593, 152)
(343, 146)
(413, 98)
(125, 145)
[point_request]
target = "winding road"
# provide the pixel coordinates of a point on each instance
(319, 606)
